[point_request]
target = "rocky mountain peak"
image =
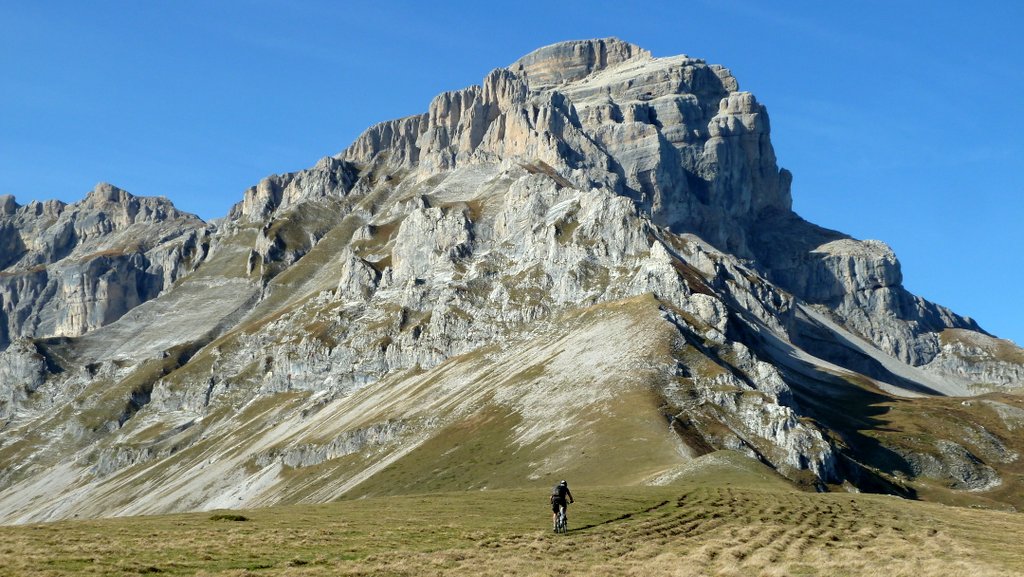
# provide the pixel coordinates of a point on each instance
(68, 269)
(591, 227)
(606, 113)
(8, 204)
(122, 208)
(105, 192)
(574, 60)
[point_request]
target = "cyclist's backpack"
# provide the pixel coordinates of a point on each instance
(558, 492)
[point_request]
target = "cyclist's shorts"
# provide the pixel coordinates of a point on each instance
(557, 504)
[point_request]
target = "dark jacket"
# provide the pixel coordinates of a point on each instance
(560, 493)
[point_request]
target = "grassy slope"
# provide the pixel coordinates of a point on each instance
(729, 517)
(878, 427)
(629, 446)
(491, 418)
(486, 400)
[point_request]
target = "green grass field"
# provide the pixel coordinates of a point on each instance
(729, 518)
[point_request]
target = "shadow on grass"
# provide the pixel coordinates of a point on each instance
(622, 517)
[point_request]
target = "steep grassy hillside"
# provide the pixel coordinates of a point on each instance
(725, 515)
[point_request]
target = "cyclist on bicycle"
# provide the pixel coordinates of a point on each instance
(558, 496)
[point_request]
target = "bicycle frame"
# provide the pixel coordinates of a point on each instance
(562, 525)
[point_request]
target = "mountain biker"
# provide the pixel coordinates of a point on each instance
(558, 496)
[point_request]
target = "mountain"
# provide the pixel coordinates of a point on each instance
(71, 269)
(587, 266)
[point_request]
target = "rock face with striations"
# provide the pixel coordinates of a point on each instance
(591, 253)
(67, 270)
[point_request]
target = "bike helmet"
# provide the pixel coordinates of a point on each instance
(563, 483)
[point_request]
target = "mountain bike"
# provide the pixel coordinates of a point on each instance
(562, 523)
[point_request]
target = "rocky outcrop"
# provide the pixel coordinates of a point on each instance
(22, 371)
(860, 284)
(72, 268)
(990, 363)
(428, 243)
(397, 137)
(329, 178)
(571, 61)
(739, 161)
(349, 443)
(954, 464)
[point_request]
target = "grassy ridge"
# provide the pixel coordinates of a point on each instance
(727, 519)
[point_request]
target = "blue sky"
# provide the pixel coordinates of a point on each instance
(901, 121)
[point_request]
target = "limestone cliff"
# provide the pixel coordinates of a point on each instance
(69, 269)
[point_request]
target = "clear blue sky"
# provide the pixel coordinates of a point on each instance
(901, 121)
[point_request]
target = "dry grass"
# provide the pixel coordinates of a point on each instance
(718, 524)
